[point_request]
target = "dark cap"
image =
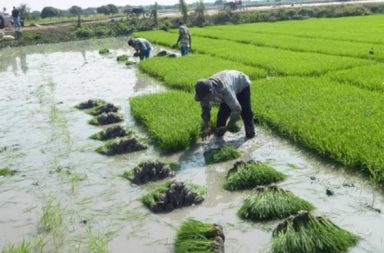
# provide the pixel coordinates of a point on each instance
(202, 88)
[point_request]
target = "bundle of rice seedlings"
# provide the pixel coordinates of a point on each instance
(305, 233)
(246, 175)
(91, 103)
(172, 195)
(129, 63)
(7, 172)
(149, 171)
(271, 202)
(105, 108)
(196, 236)
(106, 118)
(221, 154)
(122, 58)
(111, 133)
(122, 146)
(104, 51)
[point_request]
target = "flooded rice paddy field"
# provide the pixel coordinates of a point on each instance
(46, 140)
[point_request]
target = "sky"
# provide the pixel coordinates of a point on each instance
(66, 4)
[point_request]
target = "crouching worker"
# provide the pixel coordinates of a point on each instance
(231, 89)
(141, 46)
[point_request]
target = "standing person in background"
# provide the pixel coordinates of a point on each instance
(142, 47)
(16, 18)
(184, 39)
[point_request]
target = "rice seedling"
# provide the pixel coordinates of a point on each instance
(129, 63)
(112, 132)
(122, 58)
(23, 247)
(221, 154)
(91, 103)
(106, 118)
(7, 172)
(196, 236)
(305, 233)
(246, 175)
(122, 146)
(105, 108)
(104, 51)
(52, 216)
(267, 203)
(149, 171)
(97, 243)
(172, 195)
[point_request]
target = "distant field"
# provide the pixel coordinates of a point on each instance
(325, 79)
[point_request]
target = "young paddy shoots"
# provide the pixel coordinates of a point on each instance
(23, 247)
(305, 233)
(7, 172)
(196, 236)
(268, 203)
(91, 103)
(112, 132)
(106, 118)
(122, 146)
(221, 154)
(149, 171)
(97, 243)
(52, 216)
(246, 175)
(172, 195)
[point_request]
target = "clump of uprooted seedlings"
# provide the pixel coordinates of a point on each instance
(172, 195)
(105, 108)
(91, 103)
(7, 172)
(122, 58)
(221, 154)
(196, 236)
(106, 118)
(149, 171)
(271, 202)
(122, 146)
(111, 133)
(305, 233)
(246, 175)
(104, 51)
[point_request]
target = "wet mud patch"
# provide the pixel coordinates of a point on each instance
(105, 108)
(173, 195)
(246, 175)
(271, 202)
(305, 233)
(111, 133)
(106, 118)
(122, 146)
(7, 172)
(221, 154)
(89, 104)
(149, 171)
(196, 236)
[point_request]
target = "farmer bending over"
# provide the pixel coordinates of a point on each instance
(184, 39)
(141, 46)
(231, 89)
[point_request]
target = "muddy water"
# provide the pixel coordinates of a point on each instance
(46, 140)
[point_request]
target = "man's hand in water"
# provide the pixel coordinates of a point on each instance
(206, 133)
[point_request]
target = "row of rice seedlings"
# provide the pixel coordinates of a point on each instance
(7, 172)
(367, 77)
(106, 118)
(267, 203)
(112, 132)
(172, 195)
(246, 175)
(339, 121)
(314, 45)
(90, 103)
(276, 61)
(221, 154)
(183, 72)
(305, 233)
(150, 171)
(196, 236)
(122, 146)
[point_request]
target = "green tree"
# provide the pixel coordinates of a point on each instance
(184, 10)
(48, 12)
(25, 11)
(75, 10)
(155, 13)
(200, 13)
(112, 9)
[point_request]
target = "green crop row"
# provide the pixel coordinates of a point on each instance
(274, 60)
(339, 121)
(183, 72)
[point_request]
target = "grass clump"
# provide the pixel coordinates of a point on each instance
(122, 146)
(52, 216)
(149, 171)
(21, 248)
(268, 203)
(104, 51)
(111, 133)
(196, 236)
(172, 195)
(105, 108)
(106, 118)
(221, 154)
(305, 233)
(246, 175)
(7, 172)
(122, 58)
(91, 103)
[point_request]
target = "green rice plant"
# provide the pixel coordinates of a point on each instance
(104, 51)
(7, 172)
(91, 103)
(106, 118)
(150, 171)
(23, 247)
(196, 236)
(305, 233)
(271, 202)
(97, 243)
(246, 175)
(105, 108)
(221, 154)
(112, 132)
(129, 63)
(122, 146)
(52, 216)
(342, 122)
(172, 195)
(183, 72)
(122, 58)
